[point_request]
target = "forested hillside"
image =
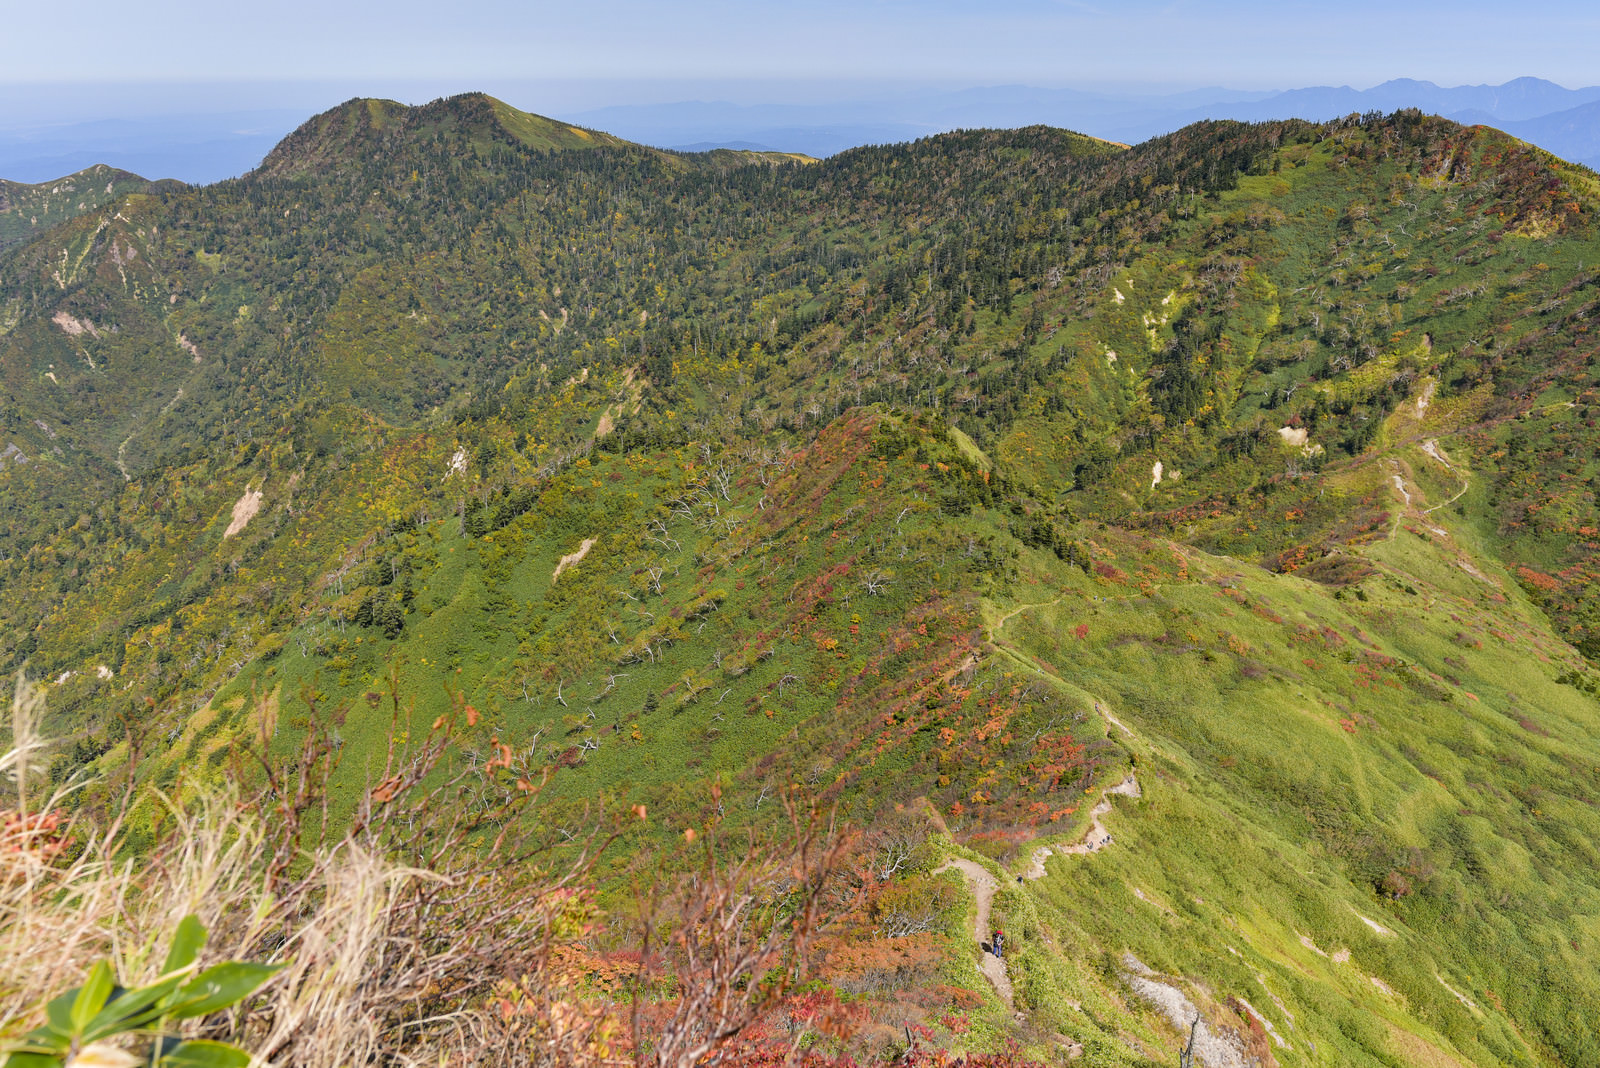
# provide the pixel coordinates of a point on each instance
(26, 210)
(1195, 540)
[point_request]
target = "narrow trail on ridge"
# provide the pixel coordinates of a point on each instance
(983, 887)
(1412, 510)
(1431, 447)
(1113, 720)
(1095, 838)
(1004, 619)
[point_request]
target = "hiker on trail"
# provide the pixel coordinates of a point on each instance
(997, 942)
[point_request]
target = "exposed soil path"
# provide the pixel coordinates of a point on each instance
(983, 887)
(1465, 485)
(1431, 447)
(1026, 607)
(1113, 720)
(1095, 838)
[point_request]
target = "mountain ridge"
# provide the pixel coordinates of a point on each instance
(201, 146)
(1131, 119)
(27, 209)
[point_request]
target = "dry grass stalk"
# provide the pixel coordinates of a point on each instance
(403, 963)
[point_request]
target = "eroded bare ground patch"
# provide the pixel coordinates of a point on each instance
(572, 558)
(244, 510)
(1212, 1048)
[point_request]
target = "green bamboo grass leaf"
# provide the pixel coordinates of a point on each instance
(59, 1012)
(88, 1014)
(220, 986)
(200, 1053)
(186, 943)
(44, 1045)
(133, 1009)
(91, 997)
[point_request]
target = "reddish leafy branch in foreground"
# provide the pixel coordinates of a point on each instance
(740, 943)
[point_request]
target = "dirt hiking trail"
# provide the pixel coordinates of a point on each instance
(1006, 618)
(1095, 838)
(983, 887)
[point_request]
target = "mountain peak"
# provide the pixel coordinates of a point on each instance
(29, 208)
(326, 139)
(1406, 83)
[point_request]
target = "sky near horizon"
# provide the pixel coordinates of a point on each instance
(1173, 44)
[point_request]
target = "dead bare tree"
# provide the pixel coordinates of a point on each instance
(876, 581)
(658, 533)
(895, 848)
(1186, 1056)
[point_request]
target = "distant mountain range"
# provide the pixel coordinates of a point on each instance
(200, 148)
(1560, 120)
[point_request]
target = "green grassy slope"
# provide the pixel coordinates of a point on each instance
(1309, 761)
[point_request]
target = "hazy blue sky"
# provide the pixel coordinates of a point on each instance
(1180, 43)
